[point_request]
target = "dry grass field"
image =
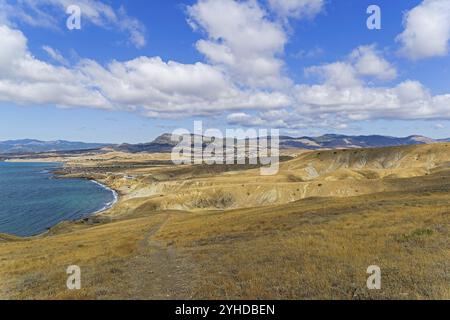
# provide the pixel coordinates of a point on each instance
(225, 232)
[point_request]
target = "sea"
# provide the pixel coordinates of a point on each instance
(33, 199)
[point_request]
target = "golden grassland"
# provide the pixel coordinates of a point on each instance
(220, 232)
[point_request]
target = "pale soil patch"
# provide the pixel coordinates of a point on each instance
(240, 235)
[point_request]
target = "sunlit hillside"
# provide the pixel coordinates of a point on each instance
(210, 232)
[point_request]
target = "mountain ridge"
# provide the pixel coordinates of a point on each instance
(36, 146)
(164, 143)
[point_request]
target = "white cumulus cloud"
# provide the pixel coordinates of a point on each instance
(241, 40)
(427, 30)
(242, 76)
(368, 62)
(364, 61)
(27, 80)
(147, 85)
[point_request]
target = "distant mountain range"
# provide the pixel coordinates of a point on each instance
(329, 141)
(343, 141)
(36, 146)
(164, 143)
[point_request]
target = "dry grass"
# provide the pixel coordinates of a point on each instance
(308, 233)
(37, 268)
(318, 249)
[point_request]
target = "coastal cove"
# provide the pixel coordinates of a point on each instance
(33, 199)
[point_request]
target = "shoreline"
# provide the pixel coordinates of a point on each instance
(110, 204)
(106, 207)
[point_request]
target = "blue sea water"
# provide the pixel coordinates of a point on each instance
(33, 200)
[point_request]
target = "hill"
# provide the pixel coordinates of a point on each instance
(330, 141)
(164, 143)
(35, 146)
(215, 232)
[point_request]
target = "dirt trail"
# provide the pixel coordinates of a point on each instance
(157, 271)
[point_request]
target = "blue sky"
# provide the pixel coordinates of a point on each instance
(307, 67)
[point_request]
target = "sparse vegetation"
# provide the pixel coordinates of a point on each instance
(209, 235)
